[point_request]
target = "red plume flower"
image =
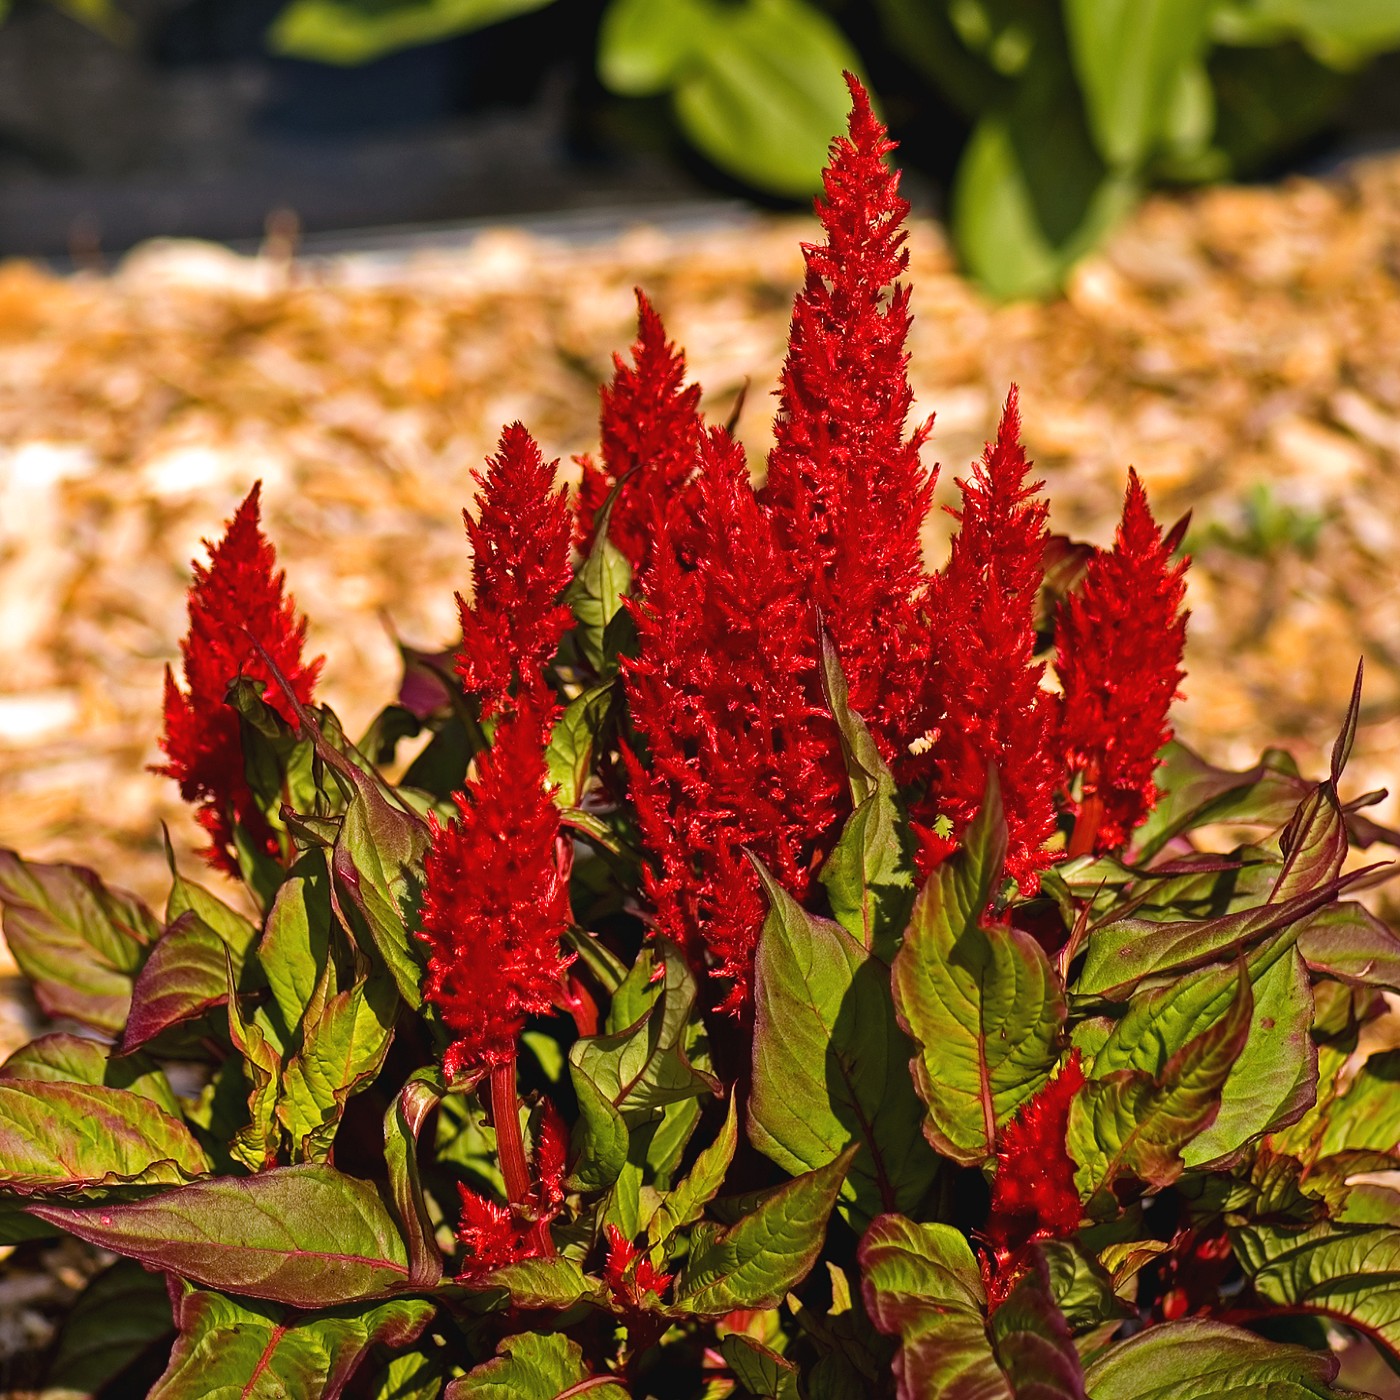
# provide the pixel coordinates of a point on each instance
(1033, 1191)
(994, 710)
(742, 752)
(845, 486)
(520, 565)
(629, 1274)
(650, 433)
(494, 1234)
(1120, 641)
(494, 906)
(236, 604)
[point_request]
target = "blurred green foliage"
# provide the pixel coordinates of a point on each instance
(1072, 107)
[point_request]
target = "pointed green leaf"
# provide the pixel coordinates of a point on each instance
(256, 1145)
(341, 1053)
(922, 1285)
(869, 875)
(1198, 1357)
(117, 1317)
(306, 1236)
(534, 1366)
(233, 928)
(829, 1062)
(232, 1349)
(183, 978)
(57, 1136)
(569, 755)
(596, 595)
(556, 1283)
(686, 1203)
(402, 1123)
(78, 943)
(761, 1372)
(981, 1002)
(753, 1263)
(296, 941)
(1134, 1125)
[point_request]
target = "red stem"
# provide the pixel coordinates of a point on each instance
(1086, 826)
(510, 1148)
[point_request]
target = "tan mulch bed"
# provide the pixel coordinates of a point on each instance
(1240, 347)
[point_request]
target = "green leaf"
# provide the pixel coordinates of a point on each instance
(78, 943)
(229, 1349)
(596, 595)
(350, 32)
(1365, 1113)
(533, 1366)
(255, 1145)
(556, 1283)
(760, 1371)
(569, 756)
(1134, 1125)
(378, 864)
(74, 1059)
(1348, 942)
(628, 1077)
(828, 1062)
(869, 875)
(60, 1136)
(410, 1375)
(1129, 56)
(1031, 195)
(1197, 1357)
(235, 930)
(686, 1203)
(922, 1285)
(981, 1003)
(754, 1262)
(340, 1054)
(1274, 1080)
(1081, 1287)
(762, 94)
(183, 978)
(643, 44)
(295, 945)
(117, 1317)
(403, 1122)
(306, 1236)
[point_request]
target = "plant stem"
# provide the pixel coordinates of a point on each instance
(510, 1148)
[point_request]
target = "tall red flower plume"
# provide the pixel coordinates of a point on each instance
(742, 751)
(494, 905)
(994, 710)
(1033, 1191)
(495, 1234)
(845, 486)
(236, 604)
(650, 434)
(1119, 644)
(520, 565)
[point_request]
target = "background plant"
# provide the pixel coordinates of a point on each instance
(755, 978)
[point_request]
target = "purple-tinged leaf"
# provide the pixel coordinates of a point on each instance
(754, 1262)
(231, 1349)
(307, 1236)
(78, 942)
(760, 1371)
(74, 1059)
(828, 1062)
(922, 1285)
(1348, 942)
(1133, 1125)
(183, 978)
(980, 1001)
(1032, 1340)
(402, 1124)
(1198, 1357)
(534, 1366)
(62, 1137)
(257, 1143)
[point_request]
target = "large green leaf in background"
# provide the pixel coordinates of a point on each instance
(355, 31)
(980, 1000)
(534, 1367)
(756, 84)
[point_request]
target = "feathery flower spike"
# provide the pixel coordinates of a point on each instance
(236, 603)
(1033, 1191)
(994, 710)
(845, 486)
(629, 1274)
(743, 752)
(494, 907)
(520, 565)
(650, 434)
(1119, 644)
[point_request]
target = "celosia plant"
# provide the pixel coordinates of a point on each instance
(784, 968)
